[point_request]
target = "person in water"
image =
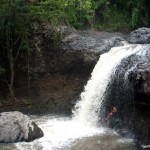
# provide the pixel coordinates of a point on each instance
(114, 110)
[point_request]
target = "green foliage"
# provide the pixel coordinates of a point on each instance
(115, 21)
(116, 14)
(17, 15)
(134, 17)
(79, 13)
(13, 29)
(140, 14)
(138, 11)
(75, 12)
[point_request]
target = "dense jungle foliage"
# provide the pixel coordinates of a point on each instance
(16, 17)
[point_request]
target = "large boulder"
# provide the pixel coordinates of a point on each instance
(140, 36)
(16, 127)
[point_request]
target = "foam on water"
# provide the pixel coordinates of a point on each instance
(59, 132)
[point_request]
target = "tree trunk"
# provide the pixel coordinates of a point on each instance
(12, 73)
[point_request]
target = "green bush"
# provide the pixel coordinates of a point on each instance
(75, 12)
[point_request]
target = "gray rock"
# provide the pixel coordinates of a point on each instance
(76, 50)
(16, 127)
(75, 42)
(86, 47)
(139, 72)
(135, 71)
(140, 36)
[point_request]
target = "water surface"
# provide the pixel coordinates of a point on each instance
(63, 133)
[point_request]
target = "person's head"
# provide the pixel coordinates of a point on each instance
(114, 109)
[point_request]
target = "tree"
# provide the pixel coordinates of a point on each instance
(12, 35)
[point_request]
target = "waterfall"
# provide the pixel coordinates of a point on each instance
(65, 133)
(87, 109)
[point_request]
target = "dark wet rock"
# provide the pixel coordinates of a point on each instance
(140, 76)
(16, 127)
(34, 132)
(129, 92)
(140, 36)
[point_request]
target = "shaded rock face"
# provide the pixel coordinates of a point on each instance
(16, 127)
(140, 36)
(83, 50)
(52, 93)
(75, 51)
(58, 72)
(129, 92)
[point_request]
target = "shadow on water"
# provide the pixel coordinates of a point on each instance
(103, 142)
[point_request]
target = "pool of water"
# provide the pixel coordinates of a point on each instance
(63, 133)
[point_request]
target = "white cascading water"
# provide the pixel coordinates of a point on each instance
(59, 131)
(87, 109)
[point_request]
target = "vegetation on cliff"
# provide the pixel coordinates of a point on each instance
(17, 16)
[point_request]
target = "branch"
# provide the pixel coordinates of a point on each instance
(18, 50)
(16, 40)
(3, 76)
(7, 37)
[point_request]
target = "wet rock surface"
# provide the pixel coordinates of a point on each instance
(140, 36)
(16, 127)
(129, 92)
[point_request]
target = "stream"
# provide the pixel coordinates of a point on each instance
(63, 133)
